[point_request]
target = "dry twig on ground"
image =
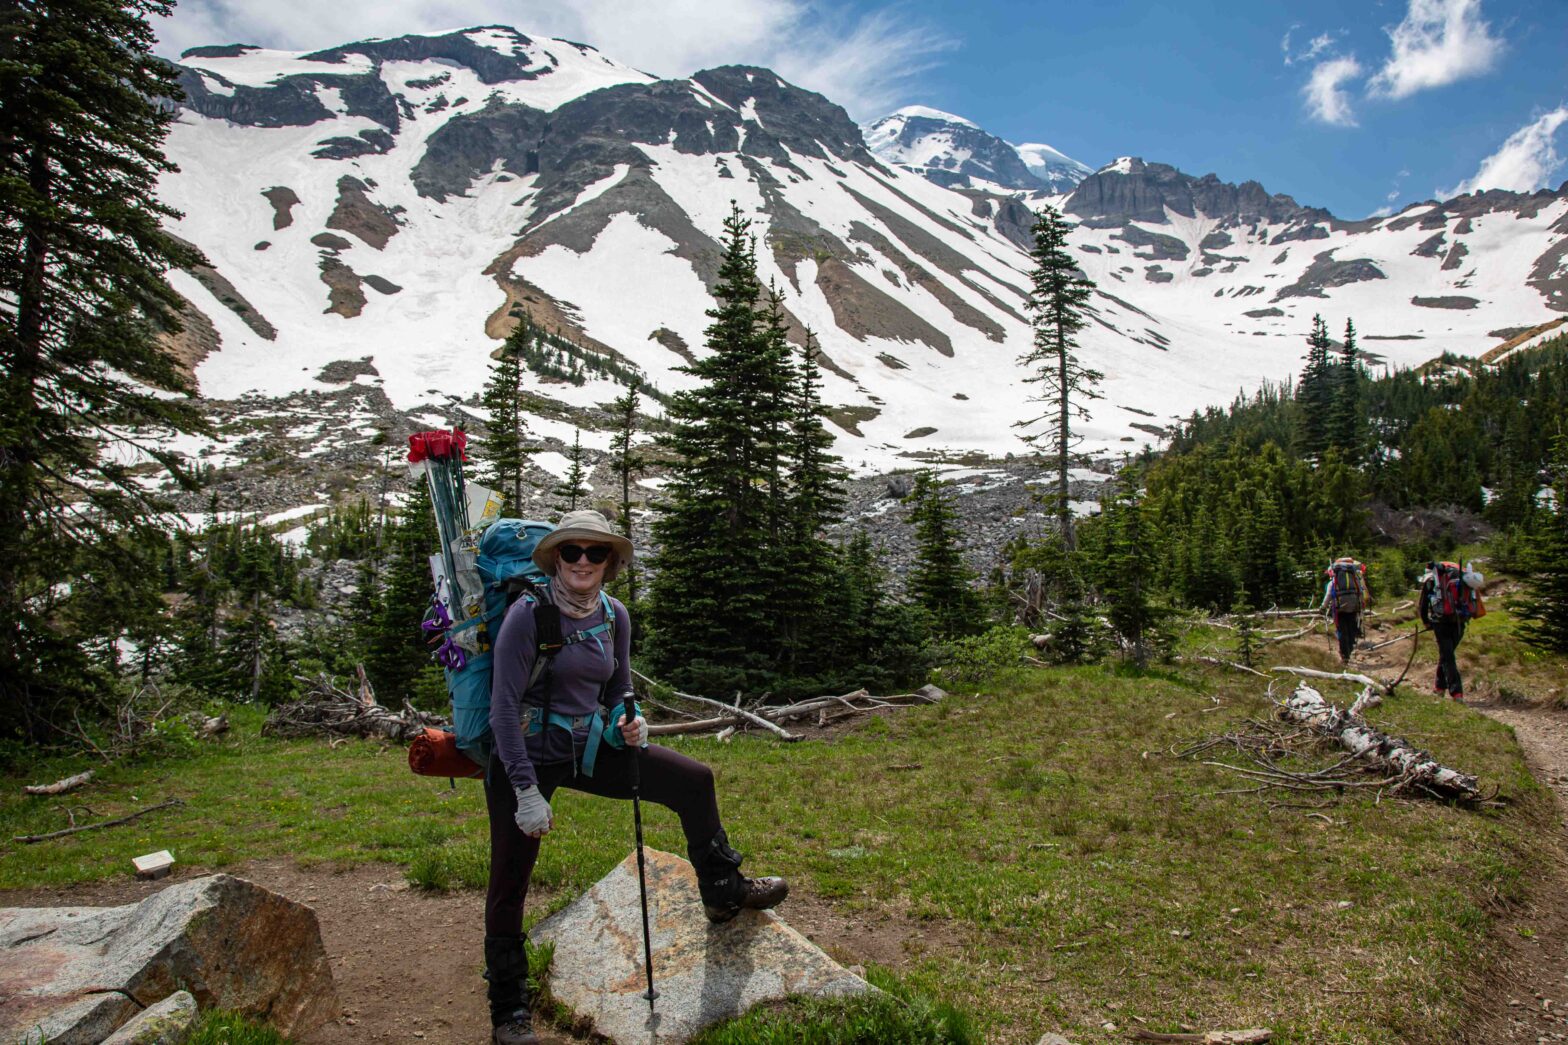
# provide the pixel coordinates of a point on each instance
(76, 829)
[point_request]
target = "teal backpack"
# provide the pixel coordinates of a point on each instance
(506, 566)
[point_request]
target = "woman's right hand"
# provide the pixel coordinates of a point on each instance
(533, 816)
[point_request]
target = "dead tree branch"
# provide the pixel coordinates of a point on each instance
(75, 829)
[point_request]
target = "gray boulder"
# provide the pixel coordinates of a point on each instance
(167, 1023)
(74, 975)
(704, 973)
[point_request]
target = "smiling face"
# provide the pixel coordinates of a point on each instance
(583, 576)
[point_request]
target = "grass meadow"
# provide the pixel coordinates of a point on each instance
(1053, 864)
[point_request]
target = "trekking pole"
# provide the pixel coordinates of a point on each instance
(629, 712)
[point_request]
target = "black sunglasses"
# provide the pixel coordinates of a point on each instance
(597, 554)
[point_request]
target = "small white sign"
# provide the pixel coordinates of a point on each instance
(154, 865)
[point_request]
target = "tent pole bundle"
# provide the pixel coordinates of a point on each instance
(440, 455)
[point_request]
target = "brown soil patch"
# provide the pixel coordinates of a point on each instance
(408, 963)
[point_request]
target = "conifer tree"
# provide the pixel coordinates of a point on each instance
(1315, 395)
(1126, 570)
(1248, 637)
(1348, 427)
(712, 622)
(939, 580)
(503, 446)
(396, 656)
(1544, 608)
(627, 463)
(83, 114)
(1058, 304)
(574, 486)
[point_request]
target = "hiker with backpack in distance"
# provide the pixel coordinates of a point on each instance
(1450, 599)
(562, 671)
(1344, 600)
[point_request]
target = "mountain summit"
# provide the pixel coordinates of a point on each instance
(956, 153)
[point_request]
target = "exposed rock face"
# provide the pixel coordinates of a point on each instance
(289, 102)
(1131, 190)
(74, 975)
(356, 213)
(1455, 301)
(1325, 271)
(459, 48)
(283, 200)
(704, 973)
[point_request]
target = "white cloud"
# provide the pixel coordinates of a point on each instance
(1526, 161)
(1318, 45)
(1439, 42)
(863, 64)
(1327, 100)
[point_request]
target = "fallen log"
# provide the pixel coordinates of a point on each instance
(731, 711)
(857, 702)
(59, 787)
(1347, 676)
(1411, 768)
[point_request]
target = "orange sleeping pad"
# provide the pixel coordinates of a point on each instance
(435, 753)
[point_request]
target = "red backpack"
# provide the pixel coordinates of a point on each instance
(1450, 597)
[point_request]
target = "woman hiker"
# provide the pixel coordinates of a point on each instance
(584, 746)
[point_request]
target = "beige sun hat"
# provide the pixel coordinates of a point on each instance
(587, 526)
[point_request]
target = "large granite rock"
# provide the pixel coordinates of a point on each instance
(704, 973)
(73, 975)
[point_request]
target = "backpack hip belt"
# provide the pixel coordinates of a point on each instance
(599, 730)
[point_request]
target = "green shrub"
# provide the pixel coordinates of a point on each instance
(979, 659)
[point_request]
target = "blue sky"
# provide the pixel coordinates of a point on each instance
(1355, 105)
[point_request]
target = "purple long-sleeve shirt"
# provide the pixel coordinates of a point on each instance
(580, 672)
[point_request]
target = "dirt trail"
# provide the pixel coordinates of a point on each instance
(1523, 997)
(1526, 997)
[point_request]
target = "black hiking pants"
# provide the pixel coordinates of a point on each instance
(1448, 633)
(1347, 628)
(667, 777)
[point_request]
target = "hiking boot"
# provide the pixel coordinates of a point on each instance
(725, 891)
(506, 969)
(1457, 695)
(516, 1032)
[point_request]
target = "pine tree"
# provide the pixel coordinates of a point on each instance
(83, 114)
(1544, 608)
(396, 657)
(712, 622)
(1315, 395)
(627, 463)
(1126, 571)
(1348, 424)
(939, 580)
(503, 447)
(574, 486)
(1058, 304)
(1248, 635)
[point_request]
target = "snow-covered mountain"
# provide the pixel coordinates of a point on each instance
(377, 215)
(956, 153)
